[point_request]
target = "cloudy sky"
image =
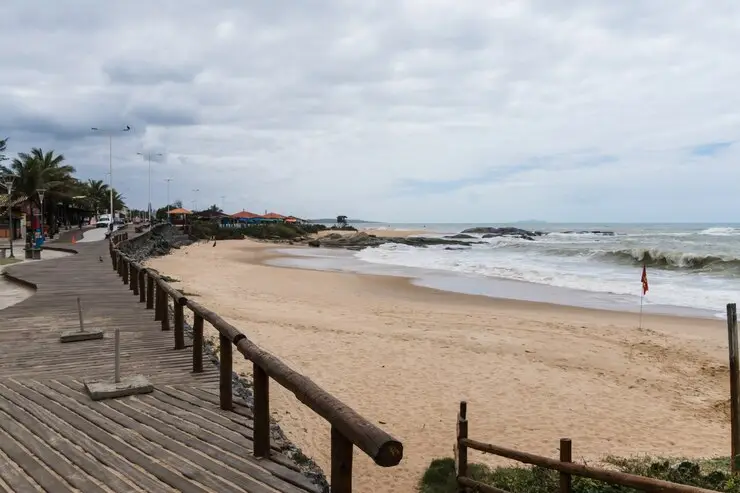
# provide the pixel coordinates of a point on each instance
(405, 110)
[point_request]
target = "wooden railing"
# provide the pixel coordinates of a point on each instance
(564, 465)
(348, 428)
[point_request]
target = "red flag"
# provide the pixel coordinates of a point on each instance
(644, 280)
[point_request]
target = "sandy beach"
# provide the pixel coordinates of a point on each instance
(404, 356)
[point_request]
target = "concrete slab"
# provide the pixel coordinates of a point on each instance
(76, 335)
(136, 384)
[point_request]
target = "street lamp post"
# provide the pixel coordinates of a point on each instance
(8, 183)
(168, 180)
(195, 200)
(41, 192)
(110, 166)
(149, 158)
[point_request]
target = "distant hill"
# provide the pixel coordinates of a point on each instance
(332, 220)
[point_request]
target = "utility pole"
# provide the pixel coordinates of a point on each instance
(168, 180)
(149, 158)
(195, 200)
(110, 165)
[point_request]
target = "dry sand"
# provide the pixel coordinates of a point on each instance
(404, 357)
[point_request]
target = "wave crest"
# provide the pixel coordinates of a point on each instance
(676, 260)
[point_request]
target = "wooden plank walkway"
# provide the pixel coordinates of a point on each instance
(54, 438)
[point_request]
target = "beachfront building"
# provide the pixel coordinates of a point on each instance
(179, 216)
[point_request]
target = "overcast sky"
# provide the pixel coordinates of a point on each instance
(402, 110)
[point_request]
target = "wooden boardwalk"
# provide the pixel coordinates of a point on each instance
(54, 438)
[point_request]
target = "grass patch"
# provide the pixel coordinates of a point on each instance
(712, 474)
(8, 261)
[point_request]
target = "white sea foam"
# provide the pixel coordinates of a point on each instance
(597, 263)
(721, 232)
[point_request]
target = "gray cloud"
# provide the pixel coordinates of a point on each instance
(491, 110)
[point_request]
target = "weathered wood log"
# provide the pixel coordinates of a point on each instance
(165, 310)
(158, 301)
(149, 290)
(221, 325)
(176, 295)
(197, 343)
(142, 284)
(640, 483)
(341, 462)
(385, 450)
(261, 412)
(131, 275)
(135, 277)
(125, 269)
(225, 365)
(179, 323)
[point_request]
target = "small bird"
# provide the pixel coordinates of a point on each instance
(100, 258)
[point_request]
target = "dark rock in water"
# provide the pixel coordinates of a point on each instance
(361, 240)
(457, 248)
(461, 236)
(596, 232)
(491, 232)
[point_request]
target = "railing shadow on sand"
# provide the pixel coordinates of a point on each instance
(565, 466)
(348, 428)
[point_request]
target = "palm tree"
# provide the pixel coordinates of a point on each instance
(97, 193)
(3, 146)
(42, 170)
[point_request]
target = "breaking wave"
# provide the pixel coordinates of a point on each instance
(675, 260)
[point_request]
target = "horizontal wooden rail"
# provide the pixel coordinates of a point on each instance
(564, 466)
(348, 428)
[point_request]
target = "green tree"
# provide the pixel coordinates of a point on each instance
(161, 213)
(214, 208)
(43, 170)
(3, 147)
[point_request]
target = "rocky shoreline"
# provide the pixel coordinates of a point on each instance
(161, 240)
(465, 239)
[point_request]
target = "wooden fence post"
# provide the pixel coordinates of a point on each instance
(149, 291)
(119, 265)
(225, 369)
(158, 302)
(165, 311)
(462, 449)
(179, 326)
(341, 462)
(734, 386)
(142, 285)
(566, 455)
(114, 259)
(133, 285)
(197, 343)
(126, 267)
(261, 411)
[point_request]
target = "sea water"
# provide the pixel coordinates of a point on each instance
(691, 268)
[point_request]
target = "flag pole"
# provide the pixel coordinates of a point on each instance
(642, 297)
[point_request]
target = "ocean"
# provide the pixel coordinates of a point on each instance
(693, 269)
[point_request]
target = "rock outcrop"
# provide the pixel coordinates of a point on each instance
(362, 240)
(491, 232)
